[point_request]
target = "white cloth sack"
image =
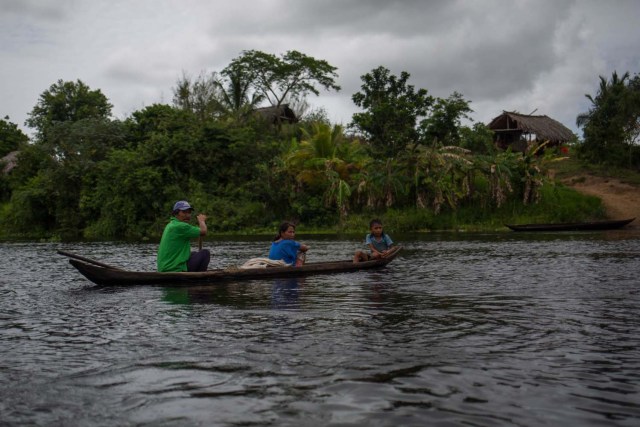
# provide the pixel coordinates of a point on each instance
(263, 263)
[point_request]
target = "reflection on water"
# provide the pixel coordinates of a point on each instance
(284, 293)
(461, 329)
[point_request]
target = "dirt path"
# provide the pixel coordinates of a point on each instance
(620, 200)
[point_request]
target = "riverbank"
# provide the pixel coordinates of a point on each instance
(619, 191)
(621, 200)
(611, 194)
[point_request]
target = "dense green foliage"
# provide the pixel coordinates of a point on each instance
(612, 124)
(67, 102)
(392, 110)
(11, 138)
(410, 161)
(445, 122)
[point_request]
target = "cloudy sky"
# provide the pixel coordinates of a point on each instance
(521, 55)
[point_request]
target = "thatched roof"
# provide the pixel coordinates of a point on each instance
(544, 127)
(278, 114)
(9, 161)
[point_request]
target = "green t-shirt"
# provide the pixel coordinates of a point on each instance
(175, 248)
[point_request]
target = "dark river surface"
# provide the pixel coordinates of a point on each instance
(497, 329)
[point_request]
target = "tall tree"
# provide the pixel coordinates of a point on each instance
(74, 133)
(392, 109)
(291, 76)
(612, 125)
(445, 121)
(67, 101)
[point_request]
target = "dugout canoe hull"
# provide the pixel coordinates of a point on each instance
(104, 275)
(572, 226)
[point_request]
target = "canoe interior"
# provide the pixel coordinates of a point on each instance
(572, 226)
(110, 276)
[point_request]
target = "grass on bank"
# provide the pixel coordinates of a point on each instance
(570, 167)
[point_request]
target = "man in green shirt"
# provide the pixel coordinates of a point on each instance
(174, 253)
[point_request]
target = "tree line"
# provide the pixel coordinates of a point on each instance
(85, 174)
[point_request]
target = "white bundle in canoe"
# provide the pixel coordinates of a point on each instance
(263, 263)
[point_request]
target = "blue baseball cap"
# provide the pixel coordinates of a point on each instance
(182, 205)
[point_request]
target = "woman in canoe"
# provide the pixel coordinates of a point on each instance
(285, 248)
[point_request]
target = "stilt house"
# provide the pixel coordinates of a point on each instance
(519, 130)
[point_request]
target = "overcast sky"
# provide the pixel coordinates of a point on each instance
(521, 55)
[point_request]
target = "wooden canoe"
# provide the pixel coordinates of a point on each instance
(106, 275)
(572, 226)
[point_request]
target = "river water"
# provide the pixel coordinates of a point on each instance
(503, 329)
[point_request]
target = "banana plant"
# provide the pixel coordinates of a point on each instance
(441, 175)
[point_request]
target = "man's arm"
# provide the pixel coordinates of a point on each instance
(202, 218)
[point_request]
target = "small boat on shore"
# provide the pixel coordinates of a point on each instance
(572, 226)
(106, 275)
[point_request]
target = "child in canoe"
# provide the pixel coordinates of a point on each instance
(285, 248)
(378, 242)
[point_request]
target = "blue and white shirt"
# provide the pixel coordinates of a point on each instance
(381, 245)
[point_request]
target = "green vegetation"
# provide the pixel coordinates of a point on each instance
(574, 167)
(11, 138)
(407, 159)
(612, 124)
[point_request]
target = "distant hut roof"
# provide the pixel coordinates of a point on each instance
(278, 114)
(9, 161)
(544, 127)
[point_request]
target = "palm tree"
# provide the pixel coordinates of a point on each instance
(201, 96)
(236, 97)
(611, 124)
(326, 162)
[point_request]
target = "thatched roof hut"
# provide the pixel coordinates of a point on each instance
(512, 129)
(276, 115)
